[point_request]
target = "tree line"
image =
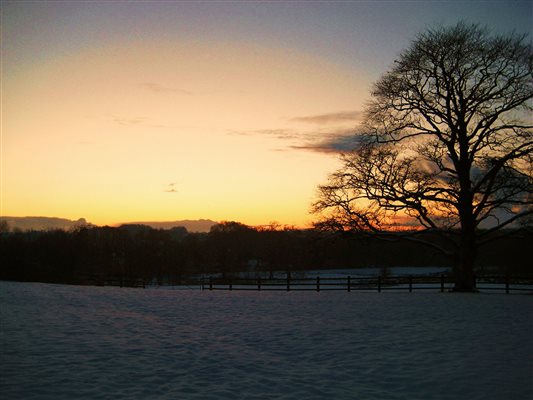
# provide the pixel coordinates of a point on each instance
(175, 255)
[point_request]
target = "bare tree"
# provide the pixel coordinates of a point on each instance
(447, 142)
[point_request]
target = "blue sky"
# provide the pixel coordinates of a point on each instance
(365, 34)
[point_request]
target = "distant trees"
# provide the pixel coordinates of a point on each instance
(237, 247)
(446, 143)
(94, 254)
(231, 244)
(4, 226)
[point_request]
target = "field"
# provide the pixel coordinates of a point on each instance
(65, 342)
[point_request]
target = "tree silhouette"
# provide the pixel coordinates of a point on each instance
(446, 144)
(232, 245)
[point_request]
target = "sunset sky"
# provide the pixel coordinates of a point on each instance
(127, 111)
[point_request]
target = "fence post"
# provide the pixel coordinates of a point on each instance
(507, 279)
(318, 284)
(410, 283)
(230, 285)
(379, 284)
(258, 283)
(210, 283)
(348, 283)
(288, 283)
(442, 283)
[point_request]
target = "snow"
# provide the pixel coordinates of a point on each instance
(65, 342)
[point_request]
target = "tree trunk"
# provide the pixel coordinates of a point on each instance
(465, 279)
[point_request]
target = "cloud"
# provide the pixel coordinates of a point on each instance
(128, 120)
(283, 134)
(331, 118)
(322, 141)
(171, 188)
(338, 141)
(339, 144)
(158, 88)
(332, 135)
(135, 121)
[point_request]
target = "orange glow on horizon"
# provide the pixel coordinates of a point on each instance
(102, 133)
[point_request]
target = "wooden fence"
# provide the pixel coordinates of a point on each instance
(440, 283)
(112, 280)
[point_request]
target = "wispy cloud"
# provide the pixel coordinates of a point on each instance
(158, 88)
(337, 144)
(333, 133)
(335, 140)
(331, 118)
(331, 141)
(283, 134)
(128, 120)
(135, 121)
(171, 188)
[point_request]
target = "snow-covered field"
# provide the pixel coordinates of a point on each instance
(68, 342)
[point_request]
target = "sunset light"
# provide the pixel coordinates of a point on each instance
(121, 111)
(266, 199)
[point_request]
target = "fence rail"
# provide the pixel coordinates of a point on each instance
(411, 283)
(440, 283)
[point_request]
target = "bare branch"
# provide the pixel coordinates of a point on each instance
(446, 140)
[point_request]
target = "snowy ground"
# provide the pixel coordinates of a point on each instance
(68, 342)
